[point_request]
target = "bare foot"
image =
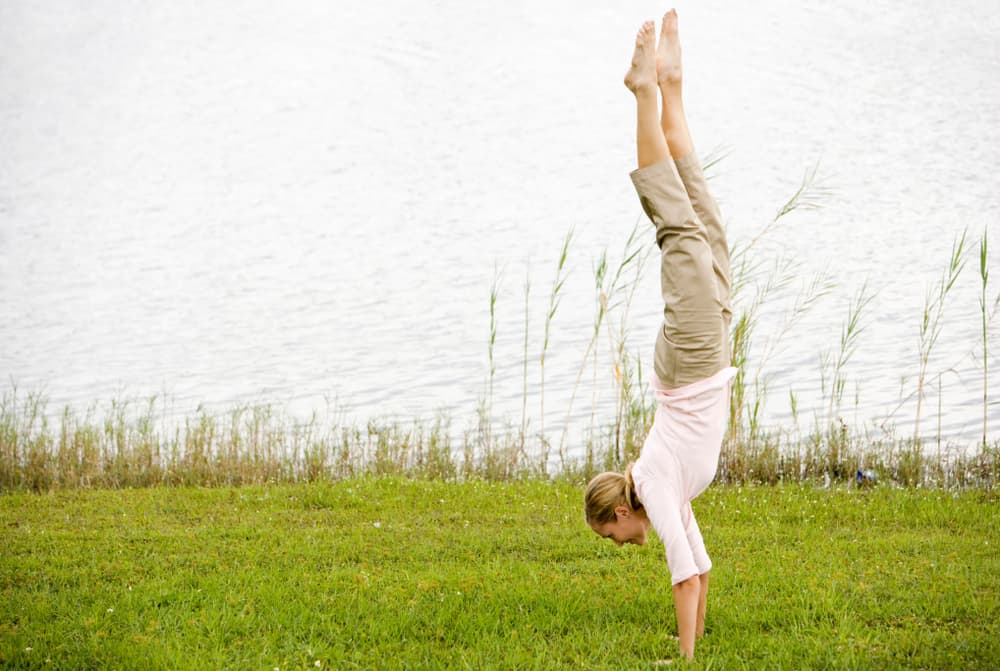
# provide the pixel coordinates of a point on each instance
(642, 75)
(668, 55)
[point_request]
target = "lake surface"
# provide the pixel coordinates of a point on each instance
(306, 205)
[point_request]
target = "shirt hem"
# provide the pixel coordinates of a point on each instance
(713, 382)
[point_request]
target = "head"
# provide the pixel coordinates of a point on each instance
(613, 510)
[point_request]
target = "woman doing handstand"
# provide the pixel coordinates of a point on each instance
(691, 358)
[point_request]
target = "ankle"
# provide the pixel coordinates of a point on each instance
(672, 97)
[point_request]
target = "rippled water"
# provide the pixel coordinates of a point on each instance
(307, 204)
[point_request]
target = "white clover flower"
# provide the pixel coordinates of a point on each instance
(377, 525)
(318, 663)
(111, 610)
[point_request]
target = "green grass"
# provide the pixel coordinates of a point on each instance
(400, 573)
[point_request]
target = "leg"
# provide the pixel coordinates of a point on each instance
(651, 147)
(673, 123)
(693, 341)
(668, 78)
(691, 345)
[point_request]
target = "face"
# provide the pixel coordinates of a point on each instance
(630, 526)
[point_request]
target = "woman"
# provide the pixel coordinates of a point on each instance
(691, 358)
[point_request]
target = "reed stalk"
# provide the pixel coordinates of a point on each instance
(809, 195)
(601, 304)
(607, 298)
(524, 364)
(629, 397)
(850, 332)
(984, 276)
(742, 334)
(745, 272)
(554, 298)
(932, 320)
(494, 293)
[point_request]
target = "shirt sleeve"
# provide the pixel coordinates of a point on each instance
(665, 515)
(697, 543)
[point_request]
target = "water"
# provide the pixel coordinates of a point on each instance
(306, 206)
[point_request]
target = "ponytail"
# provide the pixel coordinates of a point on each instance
(630, 496)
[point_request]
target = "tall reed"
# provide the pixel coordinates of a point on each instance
(833, 381)
(554, 298)
(631, 392)
(810, 195)
(494, 292)
(607, 298)
(850, 332)
(524, 364)
(984, 276)
(747, 271)
(932, 322)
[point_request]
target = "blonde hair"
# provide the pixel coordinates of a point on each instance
(607, 491)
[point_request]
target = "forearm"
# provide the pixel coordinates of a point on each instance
(702, 602)
(686, 598)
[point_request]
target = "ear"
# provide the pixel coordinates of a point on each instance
(622, 511)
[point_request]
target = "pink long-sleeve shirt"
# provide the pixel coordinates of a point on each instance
(678, 461)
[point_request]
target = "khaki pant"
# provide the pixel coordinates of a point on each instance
(693, 343)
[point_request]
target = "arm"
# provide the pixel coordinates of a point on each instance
(702, 600)
(661, 505)
(686, 599)
(689, 601)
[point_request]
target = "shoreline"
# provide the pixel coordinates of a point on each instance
(130, 445)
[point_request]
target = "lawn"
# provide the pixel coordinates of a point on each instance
(399, 573)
